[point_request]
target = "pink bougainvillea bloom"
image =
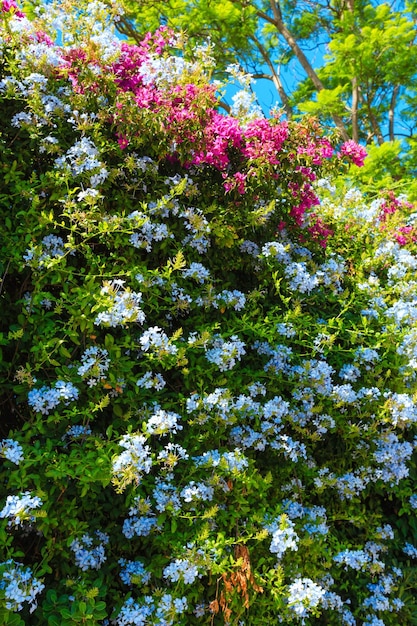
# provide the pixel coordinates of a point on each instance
(392, 204)
(405, 235)
(354, 152)
(8, 5)
(318, 149)
(264, 140)
(42, 37)
(238, 181)
(319, 231)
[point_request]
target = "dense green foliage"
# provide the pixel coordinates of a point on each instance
(208, 378)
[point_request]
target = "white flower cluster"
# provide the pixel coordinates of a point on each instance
(81, 158)
(94, 364)
(244, 105)
(136, 458)
(123, 306)
(300, 271)
(172, 453)
(303, 595)
(197, 491)
(278, 251)
(402, 408)
(284, 536)
(155, 340)
(163, 422)
(19, 508)
(198, 227)
(299, 277)
(165, 70)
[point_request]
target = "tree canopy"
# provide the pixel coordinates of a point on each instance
(353, 64)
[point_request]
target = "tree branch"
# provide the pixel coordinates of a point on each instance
(391, 112)
(275, 77)
(125, 27)
(223, 105)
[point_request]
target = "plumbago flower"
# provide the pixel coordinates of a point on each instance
(11, 450)
(18, 585)
(208, 389)
(18, 509)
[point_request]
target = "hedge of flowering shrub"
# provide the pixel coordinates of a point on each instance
(208, 411)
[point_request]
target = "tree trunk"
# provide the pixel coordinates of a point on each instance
(391, 112)
(355, 104)
(375, 126)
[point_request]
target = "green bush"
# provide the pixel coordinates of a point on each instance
(208, 411)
